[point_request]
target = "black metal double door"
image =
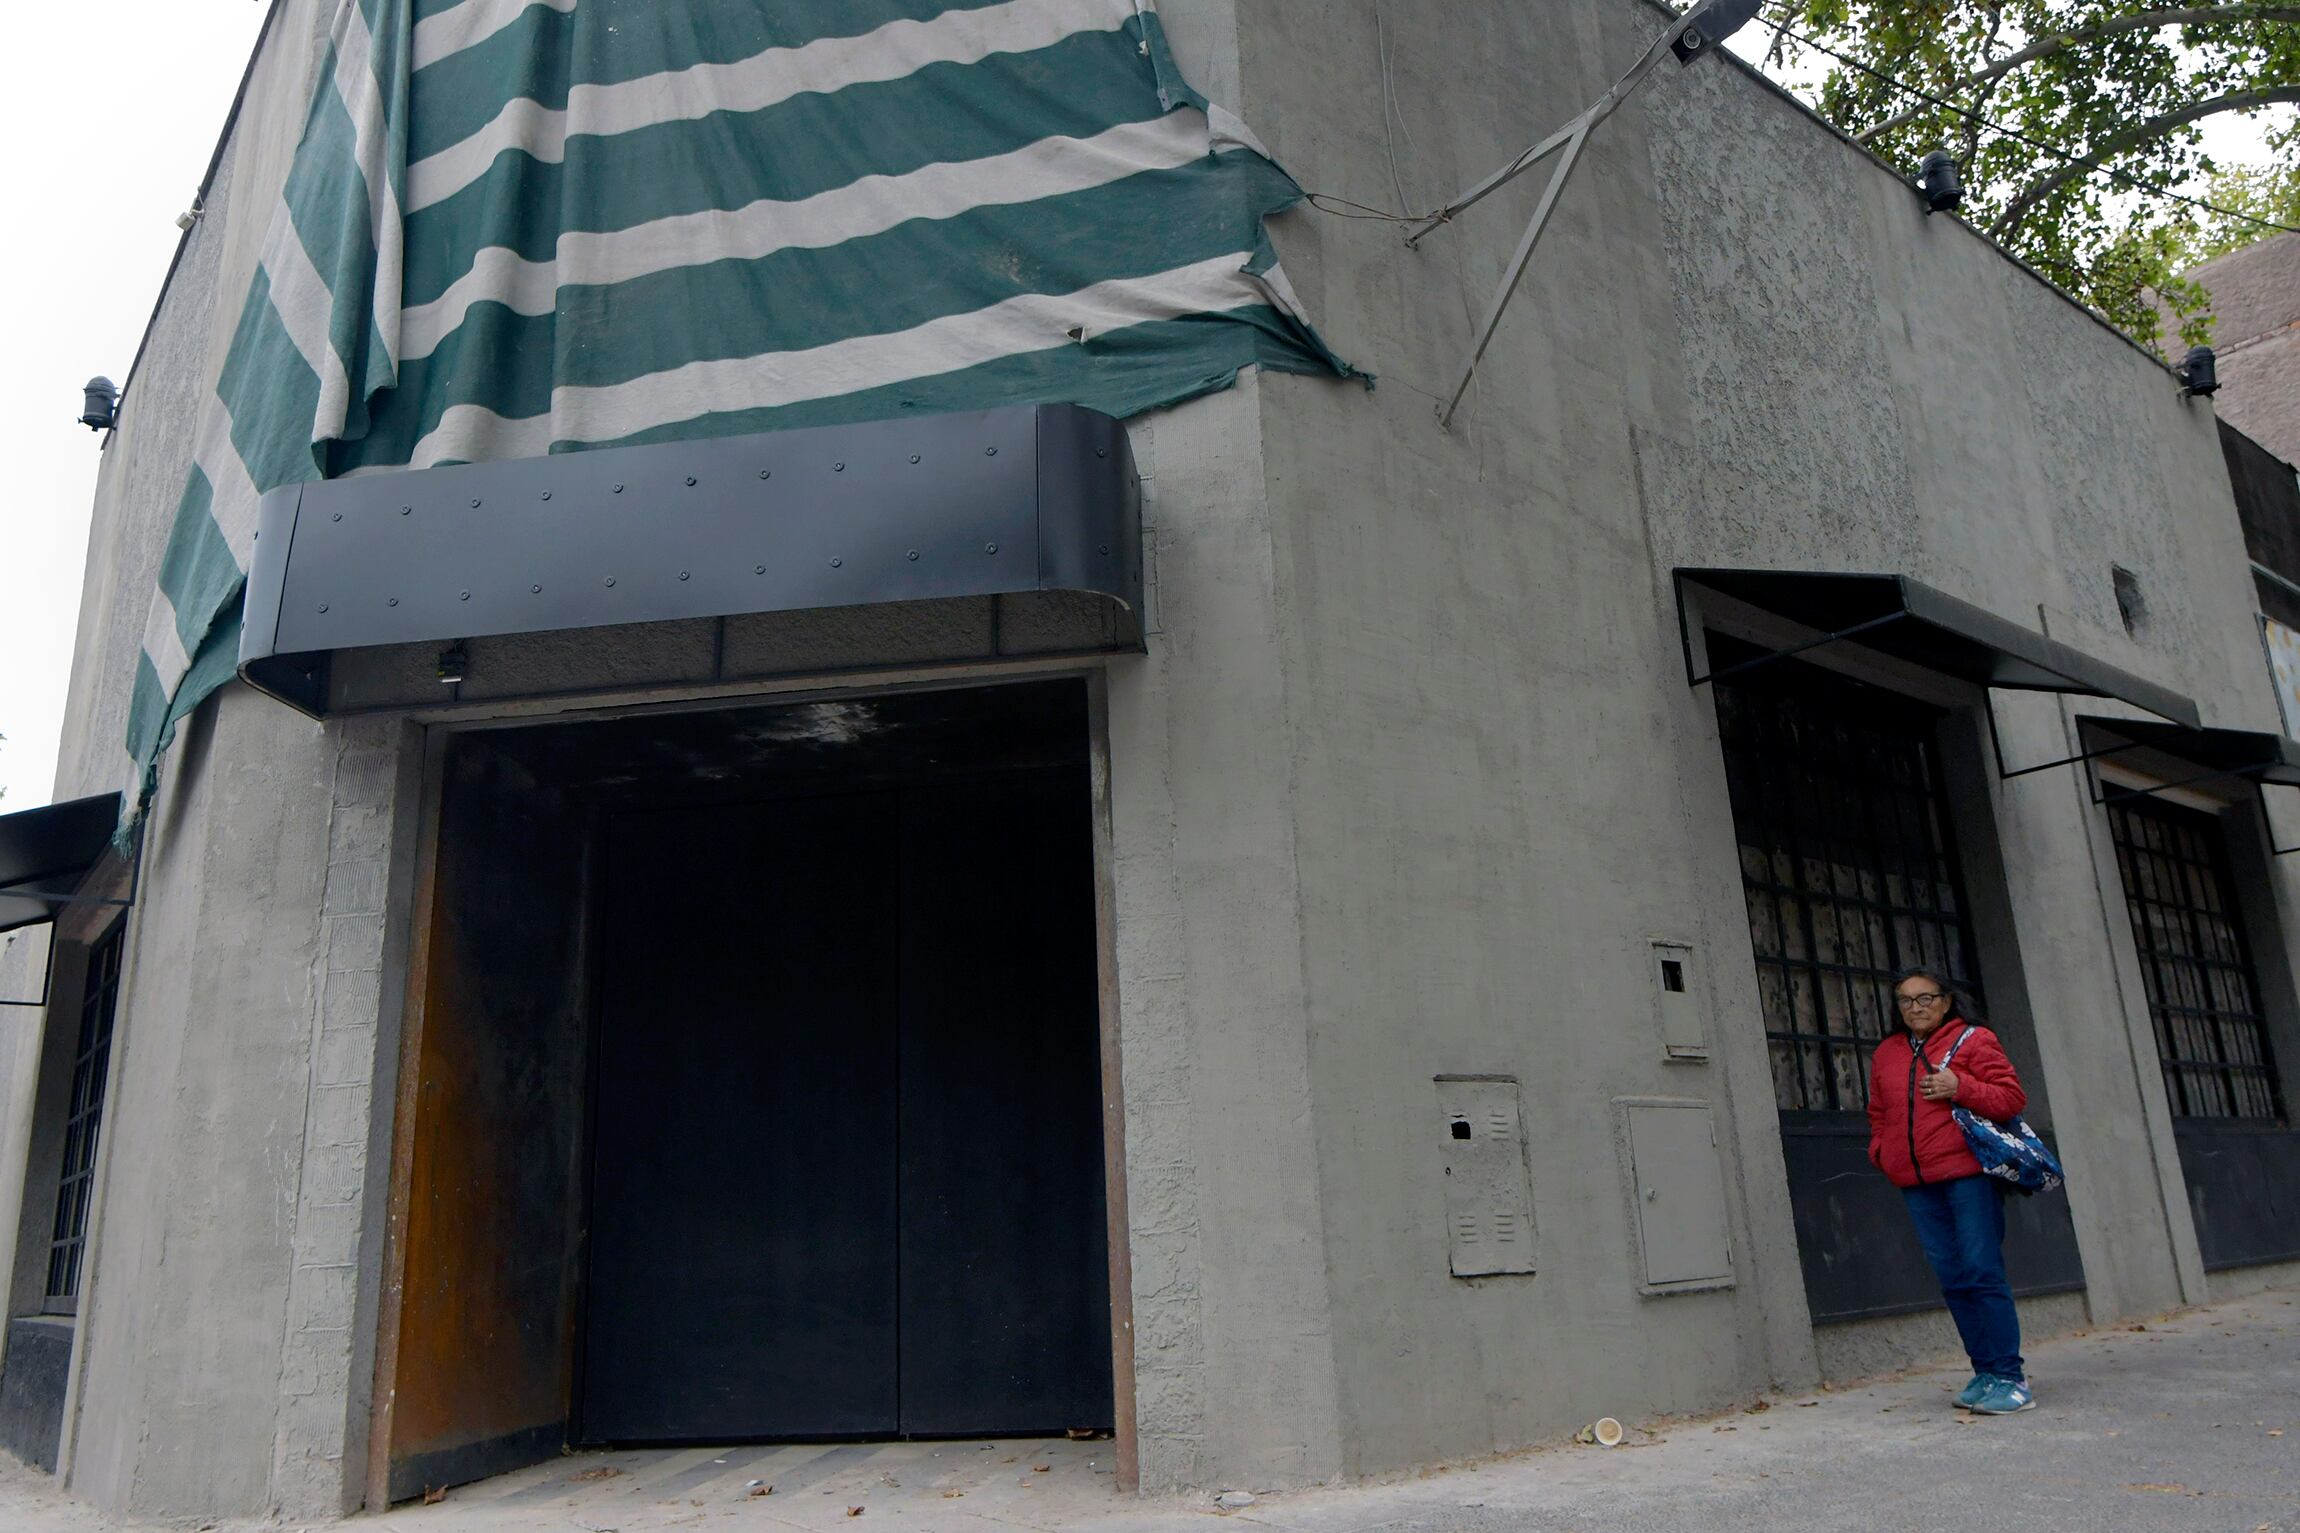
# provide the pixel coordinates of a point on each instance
(847, 1142)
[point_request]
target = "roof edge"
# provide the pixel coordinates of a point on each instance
(207, 182)
(1774, 87)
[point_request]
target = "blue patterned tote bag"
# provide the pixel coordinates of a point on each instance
(2009, 1151)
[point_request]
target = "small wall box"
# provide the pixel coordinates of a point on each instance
(1677, 1189)
(1677, 993)
(1488, 1185)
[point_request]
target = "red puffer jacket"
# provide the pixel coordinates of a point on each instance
(1913, 1140)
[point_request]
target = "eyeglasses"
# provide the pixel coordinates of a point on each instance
(1921, 999)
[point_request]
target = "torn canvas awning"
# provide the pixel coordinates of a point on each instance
(513, 229)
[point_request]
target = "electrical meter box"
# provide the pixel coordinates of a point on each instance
(1488, 1189)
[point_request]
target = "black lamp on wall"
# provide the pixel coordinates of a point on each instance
(99, 405)
(1938, 181)
(2199, 372)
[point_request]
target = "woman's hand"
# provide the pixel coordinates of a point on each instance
(1940, 1086)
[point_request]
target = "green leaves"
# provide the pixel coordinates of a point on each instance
(2066, 115)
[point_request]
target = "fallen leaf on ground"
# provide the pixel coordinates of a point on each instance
(1040, 1468)
(432, 1496)
(952, 1495)
(762, 1490)
(2275, 1431)
(854, 1511)
(603, 1472)
(1807, 1404)
(1754, 1406)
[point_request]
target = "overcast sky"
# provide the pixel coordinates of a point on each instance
(105, 128)
(110, 115)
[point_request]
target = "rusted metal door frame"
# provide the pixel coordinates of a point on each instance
(407, 1085)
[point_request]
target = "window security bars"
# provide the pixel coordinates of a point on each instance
(98, 1002)
(1847, 865)
(2202, 994)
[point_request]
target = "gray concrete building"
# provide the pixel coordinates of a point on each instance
(1386, 979)
(2255, 304)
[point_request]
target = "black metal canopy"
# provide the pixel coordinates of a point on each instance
(45, 853)
(985, 503)
(1909, 621)
(2245, 753)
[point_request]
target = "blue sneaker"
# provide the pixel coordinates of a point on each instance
(1970, 1395)
(2004, 1397)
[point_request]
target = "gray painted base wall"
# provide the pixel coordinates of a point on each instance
(1863, 1349)
(2238, 1282)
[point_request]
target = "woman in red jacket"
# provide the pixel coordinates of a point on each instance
(1959, 1213)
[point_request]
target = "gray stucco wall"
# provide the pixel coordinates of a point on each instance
(1742, 342)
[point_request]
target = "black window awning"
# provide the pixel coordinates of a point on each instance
(1911, 622)
(2212, 753)
(1011, 504)
(46, 853)
(2177, 757)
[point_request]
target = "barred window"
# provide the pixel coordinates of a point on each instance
(2203, 996)
(76, 1187)
(1847, 862)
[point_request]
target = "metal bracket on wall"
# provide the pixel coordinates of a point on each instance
(1739, 667)
(2270, 825)
(1567, 144)
(2008, 773)
(48, 969)
(47, 979)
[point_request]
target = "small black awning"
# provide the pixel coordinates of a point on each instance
(45, 853)
(1896, 616)
(2211, 753)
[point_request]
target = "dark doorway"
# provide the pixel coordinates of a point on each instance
(847, 1153)
(842, 1174)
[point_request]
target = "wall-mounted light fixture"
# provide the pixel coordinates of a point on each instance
(1937, 179)
(2199, 372)
(454, 665)
(1712, 25)
(99, 405)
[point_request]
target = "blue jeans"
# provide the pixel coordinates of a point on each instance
(1962, 1227)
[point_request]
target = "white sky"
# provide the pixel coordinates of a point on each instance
(109, 118)
(106, 136)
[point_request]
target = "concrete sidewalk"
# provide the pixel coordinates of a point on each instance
(2188, 1423)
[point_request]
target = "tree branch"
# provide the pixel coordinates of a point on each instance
(2138, 21)
(2009, 221)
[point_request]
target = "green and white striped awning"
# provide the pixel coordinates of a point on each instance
(516, 227)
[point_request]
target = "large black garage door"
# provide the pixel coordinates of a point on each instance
(847, 1144)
